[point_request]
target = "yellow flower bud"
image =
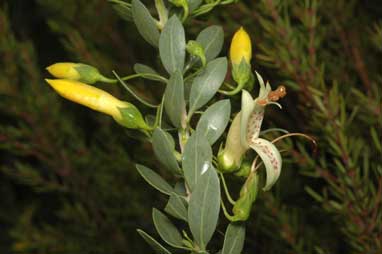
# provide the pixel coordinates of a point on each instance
(64, 70)
(241, 47)
(89, 96)
(78, 71)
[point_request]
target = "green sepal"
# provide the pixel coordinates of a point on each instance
(132, 118)
(241, 73)
(244, 170)
(88, 74)
(248, 193)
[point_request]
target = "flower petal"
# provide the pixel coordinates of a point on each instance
(247, 106)
(271, 158)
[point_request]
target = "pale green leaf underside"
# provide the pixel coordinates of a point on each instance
(204, 206)
(211, 38)
(145, 23)
(174, 103)
(214, 121)
(154, 179)
(164, 147)
(196, 159)
(157, 247)
(234, 238)
(172, 45)
(176, 207)
(207, 84)
(167, 231)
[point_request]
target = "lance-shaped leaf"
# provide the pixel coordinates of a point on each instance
(207, 84)
(176, 207)
(271, 158)
(234, 238)
(167, 231)
(214, 120)
(193, 4)
(154, 179)
(174, 99)
(204, 206)
(172, 45)
(145, 22)
(211, 38)
(164, 148)
(157, 247)
(144, 69)
(196, 159)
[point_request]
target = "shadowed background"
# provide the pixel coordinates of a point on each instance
(67, 178)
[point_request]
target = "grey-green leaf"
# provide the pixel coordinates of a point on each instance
(204, 206)
(207, 84)
(164, 148)
(145, 22)
(196, 159)
(167, 231)
(124, 10)
(172, 45)
(234, 238)
(211, 39)
(154, 179)
(144, 69)
(176, 207)
(174, 103)
(193, 4)
(157, 247)
(214, 121)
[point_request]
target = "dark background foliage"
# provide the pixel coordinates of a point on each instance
(67, 177)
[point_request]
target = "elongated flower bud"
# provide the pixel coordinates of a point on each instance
(99, 100)
(77, 71)
(241, 47)
(240, 55)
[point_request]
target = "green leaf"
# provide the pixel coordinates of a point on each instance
(176, 207)
(157, 247)
(174, 103)
(196, 159)
(211, 39)
(207, 84)
(167, 230)
(204, 206)
(214, 120)
(164, 148)
(271, 158)
(123, 9)
(172, 45)
(193, 4)
(234, 238)
(154, 179)
(144, 69)
(145, 22)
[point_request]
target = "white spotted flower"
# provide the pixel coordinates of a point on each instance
(244, 134)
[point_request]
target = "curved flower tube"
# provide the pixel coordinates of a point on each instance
(123, 112)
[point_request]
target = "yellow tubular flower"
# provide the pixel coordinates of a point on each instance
(89, 96)
(64, 70)
(240, 47)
